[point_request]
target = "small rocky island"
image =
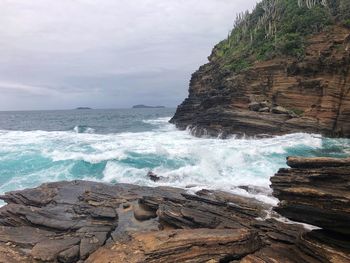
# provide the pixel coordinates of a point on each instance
(83, 108)
(141, 106)
(82, 221)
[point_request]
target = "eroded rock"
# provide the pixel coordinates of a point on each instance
(316, 192)
(95, 222)
(198, 245)
(143, 213)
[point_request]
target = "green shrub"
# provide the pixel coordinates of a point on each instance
(303, 20)
(275, 28)
(238, 65)
(290, 44)
(344, 9)
(265, 51)
(346, 23)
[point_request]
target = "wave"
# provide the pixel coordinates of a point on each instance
(33, 157)
(60, 155)
(83, 129)
(157, 121)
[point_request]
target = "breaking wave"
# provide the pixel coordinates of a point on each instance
(29, 158)
(83, 129)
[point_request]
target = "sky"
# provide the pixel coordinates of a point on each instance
(106, 53)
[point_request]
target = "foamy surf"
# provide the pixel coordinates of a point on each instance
(29, 158)
(83, 129)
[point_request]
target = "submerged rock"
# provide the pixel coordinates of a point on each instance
(153, 176)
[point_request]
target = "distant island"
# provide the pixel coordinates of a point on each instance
(83, 108)
(141, 106)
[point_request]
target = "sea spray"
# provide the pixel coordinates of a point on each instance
(29, 158)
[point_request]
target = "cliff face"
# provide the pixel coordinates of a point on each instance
(276, 96)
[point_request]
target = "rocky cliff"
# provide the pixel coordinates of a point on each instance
(274, 96)
(93, 222)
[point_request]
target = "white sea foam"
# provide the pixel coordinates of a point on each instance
(83, 129)
(179, 158)
(61, 155)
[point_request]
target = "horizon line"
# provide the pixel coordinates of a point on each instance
(70, 109)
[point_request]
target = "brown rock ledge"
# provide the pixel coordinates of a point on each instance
(315, 191)
(84, 221)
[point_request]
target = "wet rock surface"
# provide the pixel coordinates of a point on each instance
(84, 221)
(316, 191)
(152, 176)
(274, 97)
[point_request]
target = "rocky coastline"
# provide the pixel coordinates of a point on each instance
(276, 96)
(83, 221)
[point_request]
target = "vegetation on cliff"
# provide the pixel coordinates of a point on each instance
(278, 28)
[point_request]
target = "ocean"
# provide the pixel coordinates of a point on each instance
(122, 146)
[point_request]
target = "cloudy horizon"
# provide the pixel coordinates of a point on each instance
(106, 54)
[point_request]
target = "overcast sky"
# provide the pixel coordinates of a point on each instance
(61, 54)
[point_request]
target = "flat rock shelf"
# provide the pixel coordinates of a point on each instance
(83, 221)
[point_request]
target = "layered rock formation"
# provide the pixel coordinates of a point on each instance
(277, 96)
(93, 222)
(315, 191)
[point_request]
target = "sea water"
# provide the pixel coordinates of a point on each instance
(122, 146)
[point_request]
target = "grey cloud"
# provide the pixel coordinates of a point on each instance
(67, 53)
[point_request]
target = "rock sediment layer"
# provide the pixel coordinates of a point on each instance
(93, 222)
(315, 191)
(277, 96)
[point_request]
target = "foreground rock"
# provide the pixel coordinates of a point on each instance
(200, 245)
(319, 162)
(315, 191)
(83, 221)
(277, 96)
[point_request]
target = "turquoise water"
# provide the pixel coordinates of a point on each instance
(123, 145)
